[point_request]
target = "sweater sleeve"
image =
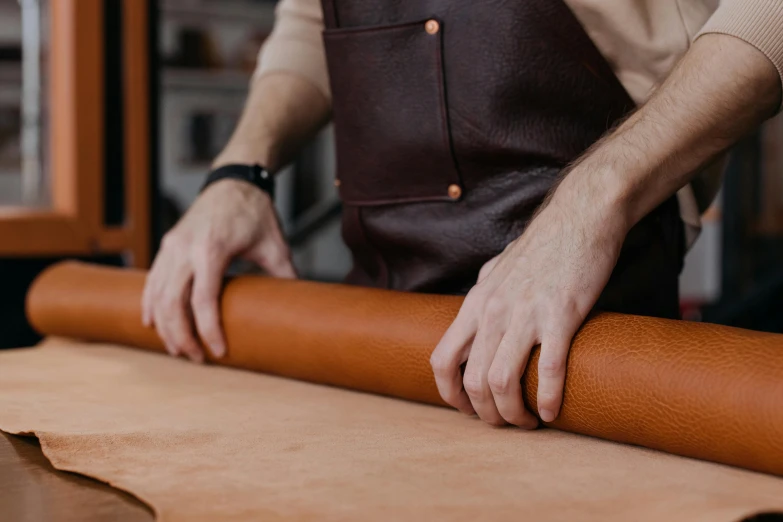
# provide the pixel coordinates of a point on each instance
(757, 22)
(295, 45)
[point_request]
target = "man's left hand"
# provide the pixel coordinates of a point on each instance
(541, 288)
(537, 291)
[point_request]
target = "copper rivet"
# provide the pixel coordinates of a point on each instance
(337, 183)
(455, 191)
(432, 26)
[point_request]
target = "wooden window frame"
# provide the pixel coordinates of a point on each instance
(74, 223)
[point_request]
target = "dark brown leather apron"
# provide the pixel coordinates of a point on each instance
(453, 119)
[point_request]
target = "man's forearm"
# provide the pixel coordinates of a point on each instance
(281, 113)
(720, 90)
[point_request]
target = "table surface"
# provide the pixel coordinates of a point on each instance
(31, 490)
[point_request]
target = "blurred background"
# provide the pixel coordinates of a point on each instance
(197, 57)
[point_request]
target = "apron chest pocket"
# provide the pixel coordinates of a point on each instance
(390, 114)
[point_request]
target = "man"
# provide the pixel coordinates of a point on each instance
(482, 149)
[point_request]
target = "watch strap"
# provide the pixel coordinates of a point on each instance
(256, 175)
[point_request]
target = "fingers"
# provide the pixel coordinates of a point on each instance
(506, 372)
(552, 373)
(169, 295)
(495, 345)
(205, 300)
(448, 358)
(152, 285)
(146, 302)
(182, 291)
(476, 380)
(274, 256)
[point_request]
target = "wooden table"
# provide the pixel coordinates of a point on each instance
(31, 490)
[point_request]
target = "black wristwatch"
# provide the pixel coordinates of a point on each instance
(256, 175)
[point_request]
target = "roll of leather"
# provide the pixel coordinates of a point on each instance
(697, 390)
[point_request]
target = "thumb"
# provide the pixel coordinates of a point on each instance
(274, 256)
(487, 268)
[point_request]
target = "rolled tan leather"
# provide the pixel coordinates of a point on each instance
(691, 389)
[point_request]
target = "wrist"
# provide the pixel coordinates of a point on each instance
(600, 198)
(237, 191)
(263, 153)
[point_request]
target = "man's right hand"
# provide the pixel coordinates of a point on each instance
(231, 219)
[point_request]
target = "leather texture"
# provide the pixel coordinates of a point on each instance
(490, 107)
(697, 390)
(211, 444)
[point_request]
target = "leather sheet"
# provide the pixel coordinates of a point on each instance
(696, 390)
(207, 444)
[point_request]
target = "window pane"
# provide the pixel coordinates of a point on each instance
(22, 102)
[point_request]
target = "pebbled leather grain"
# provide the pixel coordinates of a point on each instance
(697, 390)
